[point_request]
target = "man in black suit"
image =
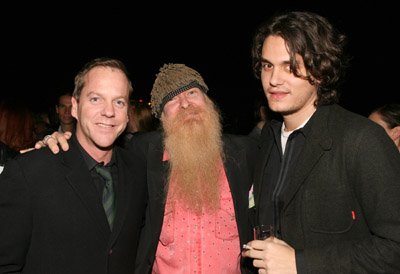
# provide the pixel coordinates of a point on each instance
(327, 179)
(51, 206)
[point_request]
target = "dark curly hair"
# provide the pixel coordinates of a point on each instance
(315, 39)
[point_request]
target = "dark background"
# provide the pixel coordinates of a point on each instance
(45, 46)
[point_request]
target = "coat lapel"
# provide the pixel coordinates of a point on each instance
(80, 180)
(156, 185)
(317, 142)
(234, 169)
(266, 147)
(122, 197)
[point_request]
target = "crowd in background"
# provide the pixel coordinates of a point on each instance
(21, 127)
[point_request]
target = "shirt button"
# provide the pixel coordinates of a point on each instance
(110, 252)
(195, 256)
(195, 226)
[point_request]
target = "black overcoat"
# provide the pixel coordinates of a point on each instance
(52, 219)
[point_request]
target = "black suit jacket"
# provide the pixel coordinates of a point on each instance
(342, 205)
(52, 219)
(240, 155)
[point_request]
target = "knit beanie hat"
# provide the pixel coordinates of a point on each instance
(172, 80)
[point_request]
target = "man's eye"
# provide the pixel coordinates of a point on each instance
(120, 103)
(267, 66)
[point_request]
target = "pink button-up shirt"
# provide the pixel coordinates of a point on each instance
(206, 243)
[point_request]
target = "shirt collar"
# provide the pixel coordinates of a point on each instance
(90, 162)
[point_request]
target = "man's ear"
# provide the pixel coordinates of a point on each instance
(74, 109)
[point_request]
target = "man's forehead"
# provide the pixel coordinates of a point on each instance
(188, 90)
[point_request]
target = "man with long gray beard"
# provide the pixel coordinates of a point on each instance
(198, 182)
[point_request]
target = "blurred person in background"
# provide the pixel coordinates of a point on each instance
(388, 116)
(140, 120)
(262, 114)
(16, 129)
(64, 120)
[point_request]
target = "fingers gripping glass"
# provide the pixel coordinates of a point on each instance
(262, 232)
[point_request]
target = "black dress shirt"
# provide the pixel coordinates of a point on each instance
(91, 163)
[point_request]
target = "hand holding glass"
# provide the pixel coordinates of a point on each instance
(262, 232)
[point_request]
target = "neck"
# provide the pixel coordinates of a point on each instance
(97, 153)
(294, 120)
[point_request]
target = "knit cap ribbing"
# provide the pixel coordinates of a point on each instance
(172, 80)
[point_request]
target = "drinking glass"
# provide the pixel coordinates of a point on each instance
(262, 232)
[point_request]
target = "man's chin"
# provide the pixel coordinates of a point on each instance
(105, 146)
(104, 143)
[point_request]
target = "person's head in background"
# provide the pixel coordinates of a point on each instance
(63, 110)
(388, 116)
(16, 125)
(262, 113)
(140, 117)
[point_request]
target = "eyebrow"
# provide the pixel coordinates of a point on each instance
(287, 62)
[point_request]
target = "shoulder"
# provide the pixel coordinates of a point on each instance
(141, 141)
(237, 142)
(344, 121)
(38, 165)
(146, 137)
(44, 158)
(6, 153)
(351, 130)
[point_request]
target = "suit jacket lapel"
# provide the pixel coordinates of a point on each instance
(156, 185)
(266, 147)
(317, 142)
(80, 180)
(234, 168)
(122, 197)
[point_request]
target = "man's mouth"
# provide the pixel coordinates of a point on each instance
(104, 125)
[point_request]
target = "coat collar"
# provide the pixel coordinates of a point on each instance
(318, 141)
(80, 180)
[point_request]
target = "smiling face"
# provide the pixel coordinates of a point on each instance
(102, 110)
(287, 94)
